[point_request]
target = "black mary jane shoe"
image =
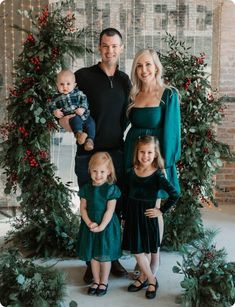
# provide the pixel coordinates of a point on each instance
(101, 292)
(134, 288)
(91, 290)
(152, 294)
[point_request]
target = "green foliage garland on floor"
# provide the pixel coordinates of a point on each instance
(201, 111)
(208, 279)
(23, 283)
(47, 226)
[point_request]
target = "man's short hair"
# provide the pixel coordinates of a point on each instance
(110, 32)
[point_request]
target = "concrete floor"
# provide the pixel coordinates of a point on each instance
(117, 295)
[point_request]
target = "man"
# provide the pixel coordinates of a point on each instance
(107, 90)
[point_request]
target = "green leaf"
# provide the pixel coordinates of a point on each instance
(73, 304)
(176, 269)
(20, 279)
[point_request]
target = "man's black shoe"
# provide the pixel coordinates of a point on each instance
(88, 276)
(118, 270)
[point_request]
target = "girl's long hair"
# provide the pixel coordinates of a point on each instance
(100, 158)
(158, 161)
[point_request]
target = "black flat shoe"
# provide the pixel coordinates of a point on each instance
(152, 294)
(134, 288)
(101, 292)
(91, 290)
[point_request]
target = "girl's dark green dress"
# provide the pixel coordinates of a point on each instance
(104, 245)
(141, 233)
(163, 122)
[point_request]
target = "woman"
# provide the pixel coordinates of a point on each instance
(154, 109)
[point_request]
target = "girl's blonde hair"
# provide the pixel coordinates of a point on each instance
(136, 83)
(100, 158)
(158, 161)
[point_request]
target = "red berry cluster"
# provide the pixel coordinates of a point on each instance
(30, 39)
(29, 100)
(5, 129)
(42, 19)
(209, 134)
(187, 84)
(36, 62)
(55, 53)
(43, 154)
(180, 165)
(30, 157)
(13, 92)
(13, 177)
(23, 131)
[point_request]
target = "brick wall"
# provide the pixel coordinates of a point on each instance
(226, 85)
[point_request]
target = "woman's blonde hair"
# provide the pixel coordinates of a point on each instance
(100, 158)
(158, 161)
(136, 83)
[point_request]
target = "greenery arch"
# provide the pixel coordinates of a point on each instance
(47, 225)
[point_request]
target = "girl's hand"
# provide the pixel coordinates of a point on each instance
(152, 213)
(80, 111)
(58, 113)
(92, 225)
(97, 229)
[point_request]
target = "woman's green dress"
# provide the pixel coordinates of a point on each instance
(162, 121)
(105, 245)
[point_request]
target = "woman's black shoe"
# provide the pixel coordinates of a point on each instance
(91, 290)
(134, 288)
(152, 294)
(101, 292)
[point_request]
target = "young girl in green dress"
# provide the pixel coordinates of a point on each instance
(99, 238)
(141, 231)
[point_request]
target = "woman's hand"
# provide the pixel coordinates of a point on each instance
(152, 213)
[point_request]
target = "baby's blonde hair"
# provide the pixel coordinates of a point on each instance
(100, 158)
(158, 161)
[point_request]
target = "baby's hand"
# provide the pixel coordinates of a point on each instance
(92, 225)
(58, 113)
(80, 111)
(154, 212)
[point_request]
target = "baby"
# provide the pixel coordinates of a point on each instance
(71, 101)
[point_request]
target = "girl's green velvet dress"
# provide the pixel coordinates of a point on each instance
(104, 245)
(141, 233)
(163, 122)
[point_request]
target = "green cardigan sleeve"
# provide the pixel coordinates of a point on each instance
(171, 141)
